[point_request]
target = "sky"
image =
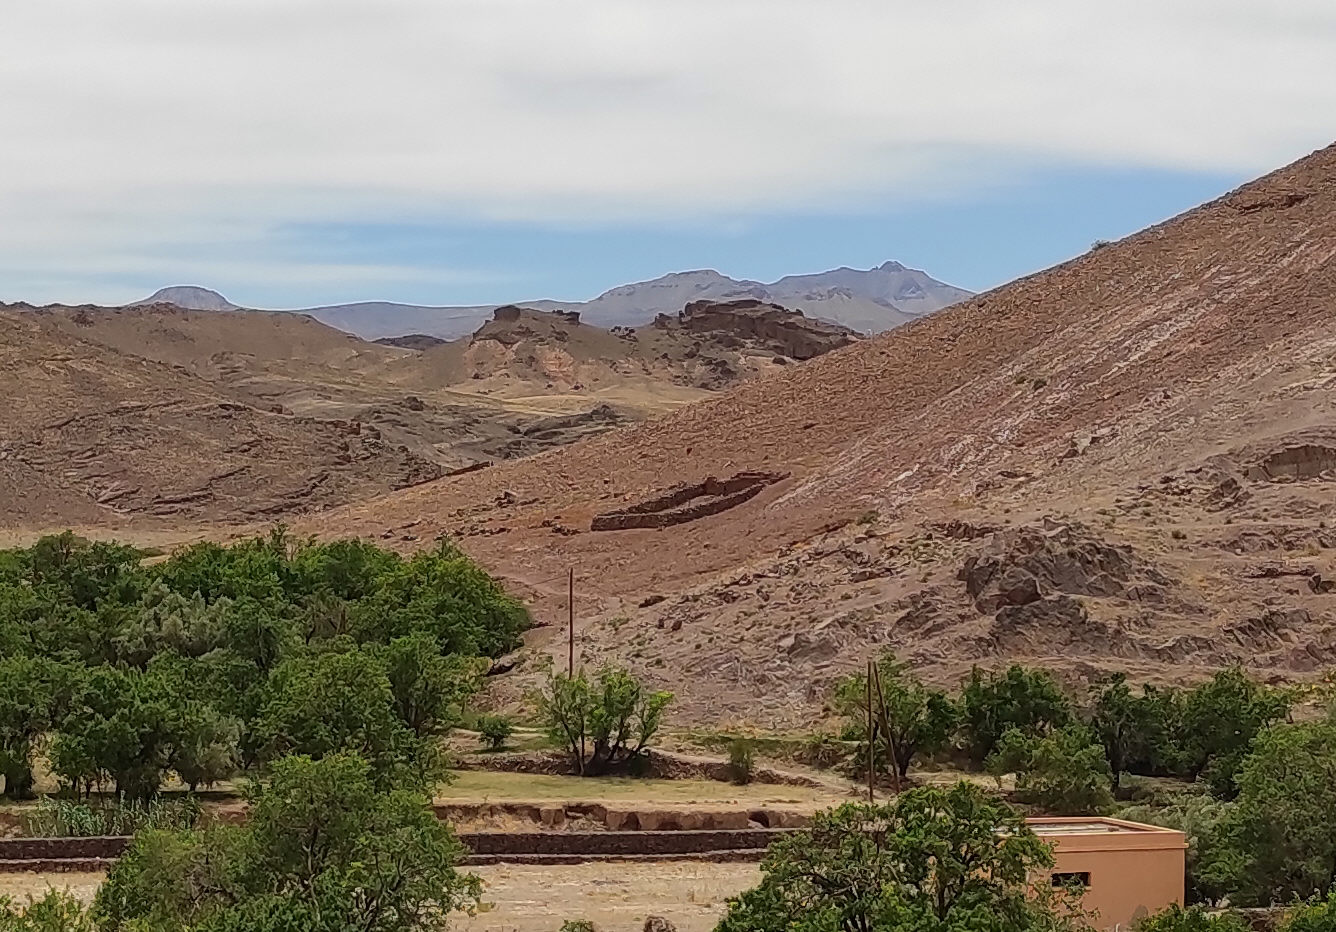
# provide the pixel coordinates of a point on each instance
(293, 153)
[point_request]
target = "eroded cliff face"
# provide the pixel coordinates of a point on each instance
(761, 325)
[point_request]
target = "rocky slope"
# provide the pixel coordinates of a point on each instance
(161, 411)
(92, 436)
(1125, 462)
(706, 346)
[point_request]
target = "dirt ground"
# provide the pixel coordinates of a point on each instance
(524, 898)
(483, 785)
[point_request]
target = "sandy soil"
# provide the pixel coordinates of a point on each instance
(521, 898)
(22, 886)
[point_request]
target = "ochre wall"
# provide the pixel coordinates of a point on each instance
(1131, 874)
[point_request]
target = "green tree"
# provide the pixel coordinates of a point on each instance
(932, 860)
(121, 726)
(446, 595)
(993, 703)
(1278, 841)
(346, 570)
(164, 620)
(1064, 771)
(1220, 718)
(334, 702)
(33, 695)
(921, 720)
(1192, 919)
(205, 745)
(324, 849)
(429, 690)
(602, 724)
(1135, 730)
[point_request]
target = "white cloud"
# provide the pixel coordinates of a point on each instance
(136, 124)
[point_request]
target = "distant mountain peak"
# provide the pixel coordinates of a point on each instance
(190, 297)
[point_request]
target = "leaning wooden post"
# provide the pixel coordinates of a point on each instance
(871, 737)
(886, 729)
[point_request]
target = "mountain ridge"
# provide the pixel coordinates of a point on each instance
(861, 300)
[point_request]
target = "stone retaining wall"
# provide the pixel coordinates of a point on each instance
(686, 503)
(19, 854)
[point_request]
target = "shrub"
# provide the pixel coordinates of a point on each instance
(1192, 919)
(495, 730)
(56, 911)
(577, 925)
(741, 762)
(1314, 916)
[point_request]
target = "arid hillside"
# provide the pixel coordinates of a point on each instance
(707, 346)
(94, 437)
(1127, 461)
(178, 418)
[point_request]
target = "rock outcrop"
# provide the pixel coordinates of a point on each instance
(759, 325)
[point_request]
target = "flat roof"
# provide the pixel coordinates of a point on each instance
(1089, 826)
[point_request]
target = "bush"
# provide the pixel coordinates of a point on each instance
(1314, 916)
(1063, 772)
(57, 911)
(494, 731)
(58, 818)
(577, 925)
(741, 762)
(1191, 919)
(603, 724)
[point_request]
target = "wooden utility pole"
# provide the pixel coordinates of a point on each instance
(570, 606)
(871, 736)
(886, 729)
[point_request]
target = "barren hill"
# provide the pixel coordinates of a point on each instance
(706, 345)
(1126, 462)
(92, 436)
(527, 381)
